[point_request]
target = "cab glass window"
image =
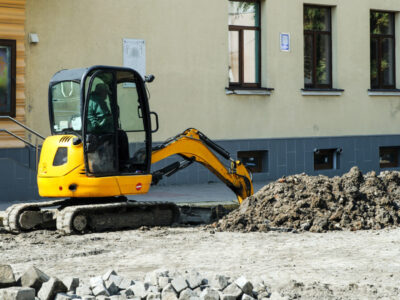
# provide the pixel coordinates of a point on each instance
(130, 111)
(131, 129)
(100, 118)
(65, 98)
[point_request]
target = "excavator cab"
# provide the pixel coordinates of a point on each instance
(103, 112)
(108, 108)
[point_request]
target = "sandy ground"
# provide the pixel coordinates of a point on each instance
(334, 265)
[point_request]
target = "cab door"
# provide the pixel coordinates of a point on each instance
(116, 123)
(133, 129)
(100, 125)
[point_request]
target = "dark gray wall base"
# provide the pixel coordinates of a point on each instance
(288, 156)
(285, 156)
(18, 175)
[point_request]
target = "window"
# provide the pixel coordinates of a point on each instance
(326, 159)
(255, 161)
(382, 50)
(7, 77)
(244, 44)
(66, 106)
(389, 157)
(317, 47)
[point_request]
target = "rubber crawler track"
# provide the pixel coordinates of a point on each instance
(102, 212)
(12, 214)
(157, 213)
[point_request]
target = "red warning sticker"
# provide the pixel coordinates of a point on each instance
(138, 186)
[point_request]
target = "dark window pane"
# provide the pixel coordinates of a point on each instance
(250, 56)
(317, 47)
(5, 79)
(244, 13)
(323, 59)
(382, 23)
(374, 63)
(387, 63)
(389, 157)
(233, 56)
(308, 59)
(317, 18)
(324, 159)
(255, 161)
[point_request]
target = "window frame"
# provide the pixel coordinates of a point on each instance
(258, 155)
(13, 46)
(240, 29)
(380, 38)
(389, 150)
(329, 165)
(314, 34)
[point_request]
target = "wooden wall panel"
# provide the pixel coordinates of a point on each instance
(12, 26)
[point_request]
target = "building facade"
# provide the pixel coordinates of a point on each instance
(12, 68)
(288, 86)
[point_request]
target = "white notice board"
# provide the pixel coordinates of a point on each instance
(135, 55)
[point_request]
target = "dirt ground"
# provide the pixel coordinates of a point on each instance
(332, 265)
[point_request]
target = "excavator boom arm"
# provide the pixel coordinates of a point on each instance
(194, 146)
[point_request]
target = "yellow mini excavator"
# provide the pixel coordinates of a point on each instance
(101, 150)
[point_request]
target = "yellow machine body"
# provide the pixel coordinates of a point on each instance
(71, 180)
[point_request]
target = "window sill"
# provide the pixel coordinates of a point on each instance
(248, 91)
(395, 92)
(322, 92)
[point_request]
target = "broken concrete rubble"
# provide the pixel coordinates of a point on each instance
(17, 293)
(33, 278)
(209, 294)
(51, 288)
(244, 285)
(179, 284)
(54, 289)
(7, 277)
(231, 292)
(71, 283)
(139, 289)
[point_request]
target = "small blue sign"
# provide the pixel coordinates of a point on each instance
(285, 42)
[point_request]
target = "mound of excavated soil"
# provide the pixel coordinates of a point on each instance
(318, 204)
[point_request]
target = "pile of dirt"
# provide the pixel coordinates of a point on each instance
(319, 204)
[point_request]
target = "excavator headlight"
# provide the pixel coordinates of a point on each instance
(61, 157)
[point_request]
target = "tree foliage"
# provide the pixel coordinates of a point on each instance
(380, 22)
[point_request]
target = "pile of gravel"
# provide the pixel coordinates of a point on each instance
(318, 204)
(157, 285)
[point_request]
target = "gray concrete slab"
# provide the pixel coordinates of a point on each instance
(208, 193)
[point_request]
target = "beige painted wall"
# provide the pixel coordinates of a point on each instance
(187, 51)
